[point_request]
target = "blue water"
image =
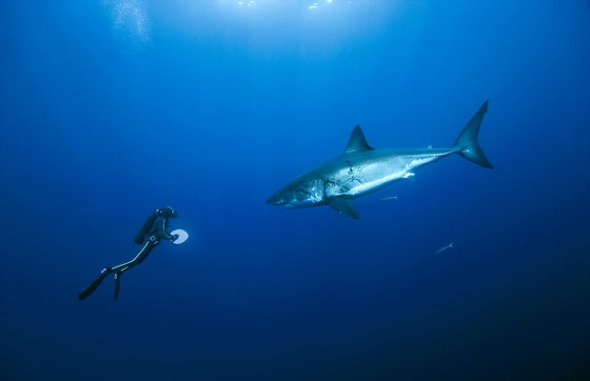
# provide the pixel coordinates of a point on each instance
(111, 108)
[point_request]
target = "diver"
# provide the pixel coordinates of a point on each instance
(152, 232)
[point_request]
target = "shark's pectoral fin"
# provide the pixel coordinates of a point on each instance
(343, 206)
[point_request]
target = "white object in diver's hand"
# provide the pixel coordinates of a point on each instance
(389, 198)
(444, 248)
(182, 236)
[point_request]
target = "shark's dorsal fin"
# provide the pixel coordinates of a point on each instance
(357, 141)
(343, 206)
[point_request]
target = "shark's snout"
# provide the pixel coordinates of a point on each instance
(275, 200)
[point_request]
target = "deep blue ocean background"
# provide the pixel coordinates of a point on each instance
(112, 108)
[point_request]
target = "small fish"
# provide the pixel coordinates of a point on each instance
(444, 248)
(389, 198)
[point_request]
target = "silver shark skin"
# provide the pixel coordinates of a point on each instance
(361, 170)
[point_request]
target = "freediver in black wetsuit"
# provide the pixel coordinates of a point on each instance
(153, 231)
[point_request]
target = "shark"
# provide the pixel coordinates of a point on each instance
(361, 170)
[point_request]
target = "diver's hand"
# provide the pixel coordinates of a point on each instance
(175, 237)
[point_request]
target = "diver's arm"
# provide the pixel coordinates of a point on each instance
(162, 233)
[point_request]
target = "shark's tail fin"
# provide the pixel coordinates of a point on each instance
(467, 142)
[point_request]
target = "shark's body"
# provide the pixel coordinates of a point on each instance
(361, 170)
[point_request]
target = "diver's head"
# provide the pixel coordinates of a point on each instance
(168, 212)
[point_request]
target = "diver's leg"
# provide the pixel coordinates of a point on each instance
(141, 255)
(120, 269)
(94, 285)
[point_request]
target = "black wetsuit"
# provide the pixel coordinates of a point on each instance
(152, 239)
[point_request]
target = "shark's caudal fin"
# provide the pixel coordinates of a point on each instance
(467, 141)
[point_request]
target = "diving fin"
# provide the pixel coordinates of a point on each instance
(343, 206)
(117, 285)
(94, 285)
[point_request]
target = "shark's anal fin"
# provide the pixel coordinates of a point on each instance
(343, 206)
